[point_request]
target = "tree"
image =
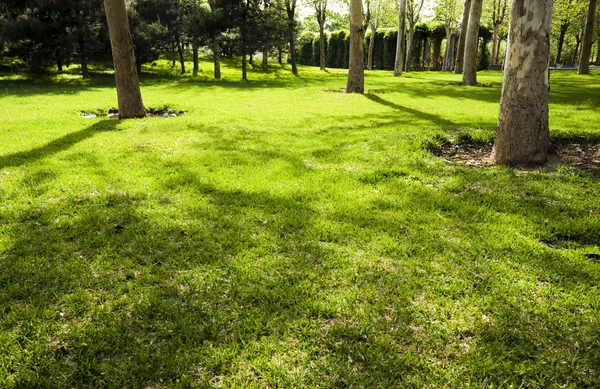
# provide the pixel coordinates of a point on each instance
(128, 87)
(460, 55)
(321, 14)
(399, 62)
(566, 15)
(498, 14)
(447, 11)
(413, 13)
(290, 8)
(471, 44)
(356, 71)
(588, 35)
(522, 135)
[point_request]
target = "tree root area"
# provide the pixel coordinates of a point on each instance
(585, 156)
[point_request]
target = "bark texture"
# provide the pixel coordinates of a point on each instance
(321, 11)
(522, 135)
(128, 87)
(356, 71)
(471, 44)
(216, 57)
(460, 54)
(399, 62)
(588, 39)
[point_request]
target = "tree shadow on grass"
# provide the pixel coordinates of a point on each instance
(56, 146)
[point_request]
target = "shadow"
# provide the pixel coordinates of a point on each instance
(418, 114)
(56, 146)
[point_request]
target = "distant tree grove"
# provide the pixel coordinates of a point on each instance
(45, 34)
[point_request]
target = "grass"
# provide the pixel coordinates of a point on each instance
(284, 234)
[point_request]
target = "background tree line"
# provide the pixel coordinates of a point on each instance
(43, 34)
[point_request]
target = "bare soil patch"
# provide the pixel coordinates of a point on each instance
(164, 112)
(583, 155)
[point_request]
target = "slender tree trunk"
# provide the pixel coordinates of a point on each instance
(322, 45)
(522, 135)
(265, 60)
(81, 43)
(471, 44)
(181, 58)
(216, 57)
(399, 62)
(447, 53)
(495, 43)
(280, 55)
(409, 42)
(458, 67)
(195, 55)
(244, 67)
(356, 70)
(370, 53)
(128, 87)
(598, 54)
(173, 56)
(561, 42)
(292, 48)
(576, 55)
(59, 61)
(586, 45)
(251, 59)
(448, 61)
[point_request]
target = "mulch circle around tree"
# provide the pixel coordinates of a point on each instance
(164, 112)
(583, 155)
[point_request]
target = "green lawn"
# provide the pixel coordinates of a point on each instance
(284, 234)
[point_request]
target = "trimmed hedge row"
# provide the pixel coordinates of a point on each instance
(426, 52)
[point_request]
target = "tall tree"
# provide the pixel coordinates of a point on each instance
(356, 71)
(498, 15)
(413, 14)
(522, 135)
(290, 8)
(399, 62)
(128, 88)
(321, 14)
(471, 44)
(447, 12)
(588, 36)
(460, 55)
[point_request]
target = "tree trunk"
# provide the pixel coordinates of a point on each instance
(280, 55)
(81, 43)
(522, 135)
(561, 41)
(495, 43)
(371, 46)
(458, 66)
(216, 57)
(181, 58)
(576, 55)
(59, 61)
(292, 48)
(399, 62)
(471, 44)
(195, 55)
(448, 61)
(244, 67)
(128, 87)
(265, 60)
(586, 45)
(356, 71)
(598, 54)
(251, 59)
(322, 45)
(409, 42)
(173, 57)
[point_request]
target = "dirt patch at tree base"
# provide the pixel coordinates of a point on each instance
(585, 156)
(163, 112)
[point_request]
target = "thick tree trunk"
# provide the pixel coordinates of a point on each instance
(371, 47)
(322, 45)
(586, 44)
(195, 55)
(495, 43)
(265, 60)
(458, 66)
(409, 41)
(356, 71)
(471, 44)
(216, 57)
(522, 135)
(399, 62)
(128, 87)
(561, 42)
